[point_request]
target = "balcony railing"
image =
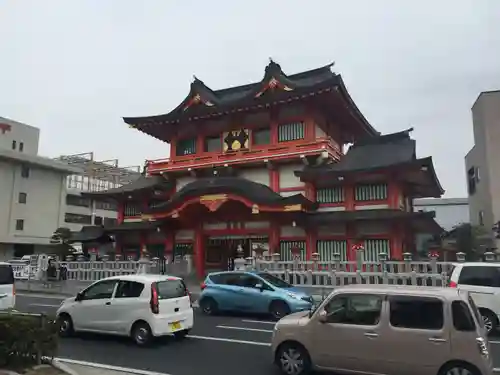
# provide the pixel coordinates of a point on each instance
(285, 150)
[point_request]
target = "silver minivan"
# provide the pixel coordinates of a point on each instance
(385, 329)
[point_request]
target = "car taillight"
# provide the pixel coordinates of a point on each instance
(483, 348)
(188, 293)
(203, 286)
(453, 284)
(155, 302)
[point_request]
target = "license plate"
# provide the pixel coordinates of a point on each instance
(175, 326)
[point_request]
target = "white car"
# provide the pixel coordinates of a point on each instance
(139, 306)
(482, 281)
(7, 288)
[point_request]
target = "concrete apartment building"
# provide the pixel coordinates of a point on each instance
(482, 162)
(32, 191)
(96, 176)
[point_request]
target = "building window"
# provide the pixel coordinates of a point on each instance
(291, 132)
(76, 200)
(19, 224)
(14, 144)
(108, 206)
(25, 171)
(327, 248)
(109, 221)
(371, 192)
(98, 220)
(330, 195)
(22, 198)
(373, 248)
(286, 249)
(481, 217)
(261, 137)
(132, 209)
(77, 219)
(21, 146)
(212, 144)
(186, 147)
(472, 180)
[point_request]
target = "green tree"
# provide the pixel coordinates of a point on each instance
(61, 239)
(472, 240)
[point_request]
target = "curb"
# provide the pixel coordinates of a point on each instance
(102, 366)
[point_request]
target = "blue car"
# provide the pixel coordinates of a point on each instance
(252, 292)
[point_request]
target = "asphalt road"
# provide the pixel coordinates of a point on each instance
(234, 344)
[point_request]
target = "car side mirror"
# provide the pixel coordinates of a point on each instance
(79, 296)
(260, 286)
(323, 316)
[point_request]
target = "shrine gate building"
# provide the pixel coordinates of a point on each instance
(262, 166)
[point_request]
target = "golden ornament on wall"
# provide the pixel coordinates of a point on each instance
(236, 140)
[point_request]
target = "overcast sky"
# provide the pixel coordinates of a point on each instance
(74, 68)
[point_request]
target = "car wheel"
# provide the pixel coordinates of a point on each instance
(293, 359)
(209, 306)
(65, 325)
(141, 334)
(181, 335)
(459, 368)
(279, 309)
(489, 321)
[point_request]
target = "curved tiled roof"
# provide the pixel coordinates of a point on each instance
(257, 193)
(142, 184)
(289, 88)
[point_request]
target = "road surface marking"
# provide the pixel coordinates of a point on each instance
(246, 329)
(108, 367)
(258, 321)
(229, 340)
(43, 305)
(44, 296)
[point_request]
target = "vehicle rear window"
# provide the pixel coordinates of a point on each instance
(462, 317)
(6, 275)
(480, 276)
(171, 289)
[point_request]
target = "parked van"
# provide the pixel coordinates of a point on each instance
(7, 288)
(390, 330)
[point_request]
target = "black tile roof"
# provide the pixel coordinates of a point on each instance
(425, 219)
(378, 152)
(219, 102)
(89, 233)
(381, 152)
(142, 184)
(255, 192)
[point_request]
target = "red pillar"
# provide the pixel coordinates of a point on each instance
(169, 243)
(121, 212)
(311, 238)
(274, 238)
(199, 253)
(143, 243)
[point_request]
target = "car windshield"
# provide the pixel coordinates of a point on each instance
(274, 281)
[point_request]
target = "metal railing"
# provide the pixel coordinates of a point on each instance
(95, 270)
(324, 276)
